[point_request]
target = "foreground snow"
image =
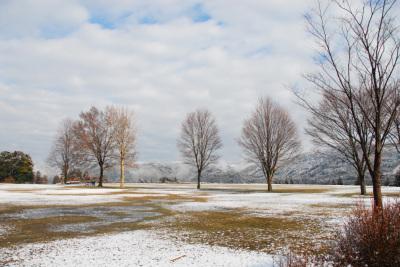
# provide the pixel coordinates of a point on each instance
(325, 205)
(138, 248)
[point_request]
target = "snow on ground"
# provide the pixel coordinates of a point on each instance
(35, 198)
(4, 229)
(138, 248)
(148, 248)
(270, 203)
(281, 203)
(24, 194)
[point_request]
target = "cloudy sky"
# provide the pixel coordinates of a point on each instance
(161, 58)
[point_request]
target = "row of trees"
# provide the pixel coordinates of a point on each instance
(358, 81)
(99, 137)
(104, 138)
(269, 139)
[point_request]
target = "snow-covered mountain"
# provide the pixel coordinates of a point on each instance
(311, 168)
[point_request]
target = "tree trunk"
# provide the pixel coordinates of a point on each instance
(101, 176)
(269, 181)
(363, 188)
(66, 168)
(361, 179)
(377, 176)
(198, 178)
(122, 174)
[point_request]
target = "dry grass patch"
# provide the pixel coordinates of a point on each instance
(31, 230)
(36, 230)
(368, 195)
(332, 205)
(169, 198)
(238, 230)
(301, 190)
(291, 190)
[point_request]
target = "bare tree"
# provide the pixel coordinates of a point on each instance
(332, 126)
(359, 56)
(125, 139)
(63, 154)
(269, 138)
(199, 141)
(95, 138)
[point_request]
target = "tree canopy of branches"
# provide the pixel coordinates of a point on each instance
(332, 126)
(269, 138)
(95, 135)
(359, 52)
(63, 154)
(16, 167)
(199, 141)
(125, 139)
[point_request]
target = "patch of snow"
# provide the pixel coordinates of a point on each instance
(4, 229)
(137, 248)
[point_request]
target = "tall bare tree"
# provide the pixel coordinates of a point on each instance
(125, 139)
(269, 138)
(95, 136)
(359, 56)
(63, 154)
(199, 141)
(332, 126)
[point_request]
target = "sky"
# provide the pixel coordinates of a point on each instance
(160, 58)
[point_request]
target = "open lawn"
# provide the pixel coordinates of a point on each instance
(168, 224)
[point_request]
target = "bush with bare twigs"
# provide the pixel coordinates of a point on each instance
(370, 237)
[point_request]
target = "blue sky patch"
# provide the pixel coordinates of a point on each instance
(103, 22)
(148, 20)
(199, 14)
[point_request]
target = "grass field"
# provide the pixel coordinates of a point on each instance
(216, 221)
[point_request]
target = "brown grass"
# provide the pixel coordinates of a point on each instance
(237, 230)
(38, 230)
(170, 198)
(301, 190)
(368, 195)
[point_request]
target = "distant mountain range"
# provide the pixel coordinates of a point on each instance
(309, 168)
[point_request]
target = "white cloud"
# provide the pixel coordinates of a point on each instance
(35, 18)
(162, 70)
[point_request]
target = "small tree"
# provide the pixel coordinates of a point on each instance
(37, 177)
(63, 154)
(332, 126)
(199, 141)
(125, 139)
(269, 138)
(94, 135)
(56, 179)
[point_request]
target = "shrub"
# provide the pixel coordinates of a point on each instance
(370, 237)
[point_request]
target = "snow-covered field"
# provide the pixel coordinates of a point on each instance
(138, 248)
(55, 225)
